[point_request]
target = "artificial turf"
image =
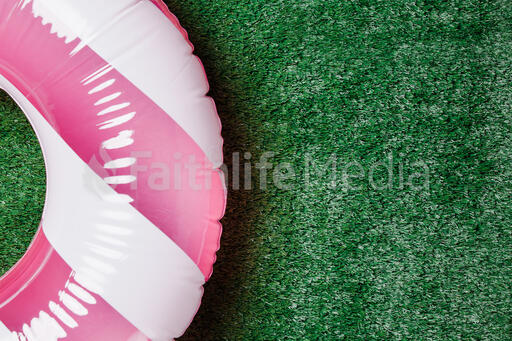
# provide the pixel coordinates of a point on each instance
(356, 81)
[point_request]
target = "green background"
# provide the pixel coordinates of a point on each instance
(425, 81)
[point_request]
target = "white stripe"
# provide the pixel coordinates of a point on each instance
(155, 285)
(82, 294)
(5, 333)
(105, 252)
(145, 47)
(110, 229)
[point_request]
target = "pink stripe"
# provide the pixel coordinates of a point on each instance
(43, 284)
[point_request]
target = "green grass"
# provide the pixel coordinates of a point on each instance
(22, 183)
(419, 80)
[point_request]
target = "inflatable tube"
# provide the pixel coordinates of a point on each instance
(132, 148)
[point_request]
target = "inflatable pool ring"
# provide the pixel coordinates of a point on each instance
(132, 148)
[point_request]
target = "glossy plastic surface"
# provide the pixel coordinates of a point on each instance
(132, 145)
